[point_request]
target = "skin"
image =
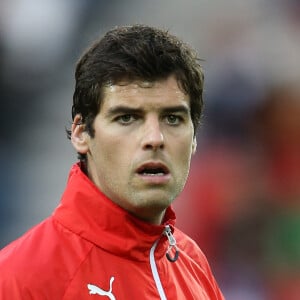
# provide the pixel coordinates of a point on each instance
(140, 125)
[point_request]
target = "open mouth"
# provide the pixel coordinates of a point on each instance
(153, 169)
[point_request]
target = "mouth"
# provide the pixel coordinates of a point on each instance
(153, 169)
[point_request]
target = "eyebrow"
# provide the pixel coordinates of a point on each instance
(121, 109)
(177, 109)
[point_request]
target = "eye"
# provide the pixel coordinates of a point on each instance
(173, 119)
(126, 119)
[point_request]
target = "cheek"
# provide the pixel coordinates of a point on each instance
(114, 154)
(185, 148)
(182, 160)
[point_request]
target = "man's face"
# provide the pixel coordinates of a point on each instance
(141, 151)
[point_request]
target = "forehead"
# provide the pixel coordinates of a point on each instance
(166, 91)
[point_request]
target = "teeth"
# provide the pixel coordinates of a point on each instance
(153, 174)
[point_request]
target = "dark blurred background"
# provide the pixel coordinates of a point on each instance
(242, 199)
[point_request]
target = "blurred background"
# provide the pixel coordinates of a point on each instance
(242, 200)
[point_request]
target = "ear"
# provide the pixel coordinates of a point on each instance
(194, 145)
(79, 137)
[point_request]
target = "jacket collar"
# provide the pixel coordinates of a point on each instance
(86, 211)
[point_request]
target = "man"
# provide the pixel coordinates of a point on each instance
(136, 107)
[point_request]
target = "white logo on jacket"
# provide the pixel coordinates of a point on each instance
(96, 290)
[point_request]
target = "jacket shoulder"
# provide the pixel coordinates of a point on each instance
(41, 262)
(190, 247)
(192, 253)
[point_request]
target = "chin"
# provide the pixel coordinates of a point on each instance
(153, 203)
(152, 212)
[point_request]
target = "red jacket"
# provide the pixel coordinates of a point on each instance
(91, 248)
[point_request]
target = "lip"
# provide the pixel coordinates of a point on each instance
(154, 178)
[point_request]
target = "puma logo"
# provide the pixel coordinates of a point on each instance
(96, 290)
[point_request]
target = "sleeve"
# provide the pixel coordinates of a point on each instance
(15, 282)
(10, 288)
(202, 260)
(195, 253)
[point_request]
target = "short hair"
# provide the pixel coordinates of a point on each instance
(132, 53)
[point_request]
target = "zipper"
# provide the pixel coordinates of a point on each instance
(172, 246)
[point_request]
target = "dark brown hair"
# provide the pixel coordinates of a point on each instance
(137, 52)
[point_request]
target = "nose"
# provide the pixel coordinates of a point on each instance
(152, 136)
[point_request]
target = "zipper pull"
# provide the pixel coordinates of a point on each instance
(172, 244)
